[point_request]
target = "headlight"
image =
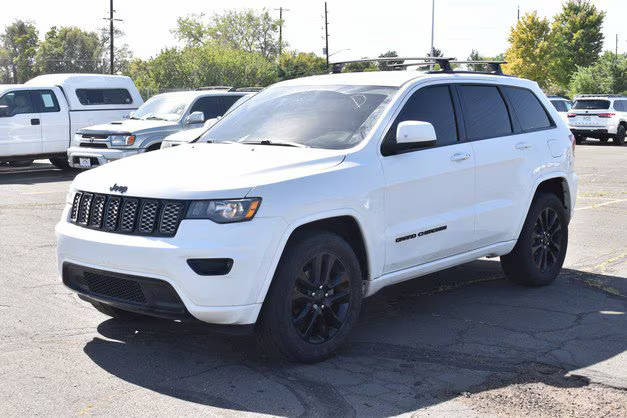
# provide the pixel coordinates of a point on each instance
(122, 139)
(224, 211)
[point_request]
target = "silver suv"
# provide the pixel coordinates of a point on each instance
(145, 129)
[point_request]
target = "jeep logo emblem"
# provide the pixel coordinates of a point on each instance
(116, 188)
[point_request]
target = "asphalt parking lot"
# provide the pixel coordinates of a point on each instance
(460, 342)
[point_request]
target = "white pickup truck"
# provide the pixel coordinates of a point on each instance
(39, 118)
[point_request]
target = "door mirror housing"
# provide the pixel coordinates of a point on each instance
(4, 111)
(195, 117)
(417, 133)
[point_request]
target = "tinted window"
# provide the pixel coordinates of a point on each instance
(207, 105)
(528, 109)
(17, 102)
(620, 105)
(485, 114)
(433, 105)
(591, 104)
(226, 102)
(45, 101)
(90, 97)
(559, 105)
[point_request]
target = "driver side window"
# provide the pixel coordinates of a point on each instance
(432, 104)
(16, 102)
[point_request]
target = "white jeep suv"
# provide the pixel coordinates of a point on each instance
(599, 116)
(317, 193)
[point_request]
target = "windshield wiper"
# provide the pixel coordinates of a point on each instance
(154, 118)
(278, 143)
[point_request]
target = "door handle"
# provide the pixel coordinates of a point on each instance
(522, 145)
(34, 121)
(460, 156)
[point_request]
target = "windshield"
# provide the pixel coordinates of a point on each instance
(592, 104)
(164, 107)
(332, 117)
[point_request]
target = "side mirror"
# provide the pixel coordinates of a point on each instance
(4, 111)
(195, 117)
(421, 134)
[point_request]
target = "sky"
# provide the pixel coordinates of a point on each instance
(356, 28)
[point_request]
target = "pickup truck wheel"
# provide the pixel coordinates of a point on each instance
(539, 253)
(60, 162)
(619, 139)
(314, 299)
(603, 139)
(21, 163)
(115, 312)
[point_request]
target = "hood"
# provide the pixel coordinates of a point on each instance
(133, 126)
(206, 171)
(186, 135)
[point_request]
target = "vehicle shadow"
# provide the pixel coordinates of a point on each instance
(36, 173)
(420, 343)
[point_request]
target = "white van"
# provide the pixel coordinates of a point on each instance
(39, 118)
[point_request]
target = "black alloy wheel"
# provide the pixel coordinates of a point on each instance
(547, 239)
(321, 298)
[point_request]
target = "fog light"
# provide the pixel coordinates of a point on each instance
(211, 266)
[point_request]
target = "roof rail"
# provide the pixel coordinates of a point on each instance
(443, 62)
(215, 88)
(598, 95)
(246, 89)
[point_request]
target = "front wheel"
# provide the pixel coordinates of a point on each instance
(314, 299)
(537, 258)
(60, 162)
(619, 139)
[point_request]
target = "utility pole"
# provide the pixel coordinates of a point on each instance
(432, 29)
(326, 33)
(111, 20)
(616, 46)
(518, 16)
(281, 9)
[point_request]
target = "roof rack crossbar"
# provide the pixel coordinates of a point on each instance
(337, 67)
(599, 95)
(215, 88)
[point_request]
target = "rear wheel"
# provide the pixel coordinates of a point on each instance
(314, 299)
(60, 162)
(115, 312)
(21, 163)
(619, 139)
(539, 253)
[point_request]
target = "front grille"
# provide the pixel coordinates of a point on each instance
(95, 136)
(127, 215)
(114, 287)
(93, 145)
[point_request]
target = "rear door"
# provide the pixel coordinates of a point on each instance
(429, 192)
(20, 128)
(54, 121)
(508, 129)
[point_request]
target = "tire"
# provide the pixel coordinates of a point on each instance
(61, 163)
(579, 139)
(603, 139)
(115, 312)
(310, 327)
(154, 147)
(21, 163)
(619, 138)
(537, 259)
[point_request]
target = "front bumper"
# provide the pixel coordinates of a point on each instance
(234, 298)
(97, 156)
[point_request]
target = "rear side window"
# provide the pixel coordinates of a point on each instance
(559, 105)
(45, 101)
(620, 105)
(226, 102)
(591, 104)
(207, 105)
(433, 105)
(529, 111)
(485, 113)
(93, 97)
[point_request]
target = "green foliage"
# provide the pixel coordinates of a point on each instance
(577, 39)
(530, 49)
(18, 44)
(70, 50)
(358, 67)
(248, 30)
(607, 76)
(206, 65)
(300, 64)
(121, 52)
(388, 65)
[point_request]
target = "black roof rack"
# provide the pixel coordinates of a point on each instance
(598, 95)
(215, 88)
(443, 62)
(247, 89)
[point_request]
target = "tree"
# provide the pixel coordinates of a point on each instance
(358, 67)
(301, 64)
(19, 44)
(70, 50)
(607, 76)
(389, 65)
(577, 38)
(475, 56)
(238, 29)
(530, 49)
(121, 52)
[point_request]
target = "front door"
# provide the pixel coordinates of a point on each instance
(55, 123)
(429, 197)
(20, 127)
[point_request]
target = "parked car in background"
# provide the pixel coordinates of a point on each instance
(562, 105)
(320, 191)
(39, 118)
(599, 116)
(161, 116)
